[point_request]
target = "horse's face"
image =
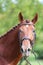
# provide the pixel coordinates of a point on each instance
(26, 36)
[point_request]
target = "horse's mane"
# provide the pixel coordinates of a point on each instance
(14, 28)
(9, 43)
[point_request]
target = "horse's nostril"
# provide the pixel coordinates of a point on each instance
(21, 50)
(28, 49)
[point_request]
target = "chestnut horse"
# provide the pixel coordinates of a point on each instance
(18, 42)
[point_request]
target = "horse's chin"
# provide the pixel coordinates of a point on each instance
(26, 54)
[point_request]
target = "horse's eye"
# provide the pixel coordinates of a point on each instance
(33, 30)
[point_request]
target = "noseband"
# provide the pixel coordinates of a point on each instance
(26, 38)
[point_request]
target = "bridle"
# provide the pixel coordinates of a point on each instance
(26, 38)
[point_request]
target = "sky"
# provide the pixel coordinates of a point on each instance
(15, 1)
(41, 1)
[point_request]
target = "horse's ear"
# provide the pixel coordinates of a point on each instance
(34, 20)
(20, 17)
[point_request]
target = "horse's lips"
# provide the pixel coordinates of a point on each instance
(26, 54)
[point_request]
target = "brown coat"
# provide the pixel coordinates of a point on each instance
(10, 48)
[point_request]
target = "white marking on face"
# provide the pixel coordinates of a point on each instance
(27, 26)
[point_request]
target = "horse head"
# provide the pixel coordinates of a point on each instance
(27, 34)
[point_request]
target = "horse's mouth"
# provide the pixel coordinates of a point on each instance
(27, 54)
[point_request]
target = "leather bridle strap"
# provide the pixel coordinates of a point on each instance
(27, 24)
(26, 38)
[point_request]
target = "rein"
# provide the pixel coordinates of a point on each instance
(27, 60)
(35, 58)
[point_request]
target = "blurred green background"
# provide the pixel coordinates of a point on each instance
(9, 10)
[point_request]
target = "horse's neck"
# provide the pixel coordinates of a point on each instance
(15, 61)
(9, 45)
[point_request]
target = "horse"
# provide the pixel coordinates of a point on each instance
(17, 42)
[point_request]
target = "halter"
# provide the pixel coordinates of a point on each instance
(26, 38)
